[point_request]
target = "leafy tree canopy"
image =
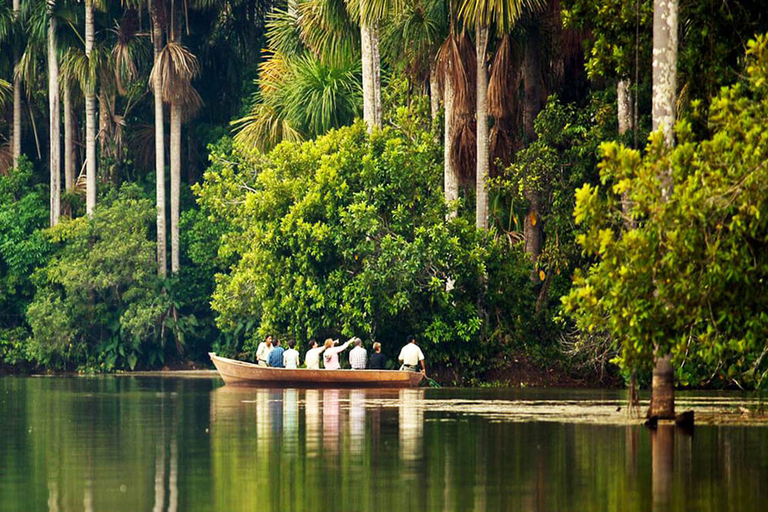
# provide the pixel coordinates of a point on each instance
(690, 277)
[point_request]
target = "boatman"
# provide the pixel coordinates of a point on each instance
(411, 356)
(262, 353)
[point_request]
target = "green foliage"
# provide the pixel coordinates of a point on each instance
(685, 275)
(23, 212)
(98, 303)
(561, 159)
(347, 235)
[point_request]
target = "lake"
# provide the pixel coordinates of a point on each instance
(127, 443)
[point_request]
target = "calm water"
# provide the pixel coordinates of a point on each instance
(157, 444)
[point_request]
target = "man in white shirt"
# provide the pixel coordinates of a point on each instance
(358, 356)
(262, 353)
(291, 356)
(312, 358)
(411, 356)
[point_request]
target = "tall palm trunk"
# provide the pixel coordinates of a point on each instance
(531, 107)
(450, 173)
(16, 134)
(665, 19)
(369, 38)
(69, 139)
(434, 91)
(175, 183)
(482, 163)
(54, 111)
(90, 117)
(157, 87)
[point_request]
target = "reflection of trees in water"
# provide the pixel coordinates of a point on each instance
(662, 459)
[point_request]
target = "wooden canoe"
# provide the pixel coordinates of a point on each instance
(248, 374)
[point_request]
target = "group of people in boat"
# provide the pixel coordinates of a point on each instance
(270, 353)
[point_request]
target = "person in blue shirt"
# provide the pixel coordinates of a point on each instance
(276, 356)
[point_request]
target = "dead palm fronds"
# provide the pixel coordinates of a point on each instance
(503, 101)
(177, 67)
(456, 60)
(123, 60)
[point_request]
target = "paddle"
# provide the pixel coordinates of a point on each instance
(432, 383)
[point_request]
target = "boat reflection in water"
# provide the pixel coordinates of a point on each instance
(172, 444)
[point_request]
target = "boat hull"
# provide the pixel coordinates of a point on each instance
(240, 373)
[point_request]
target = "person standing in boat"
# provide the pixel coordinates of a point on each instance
(291, 356)
(331, 356)
(262, 352)
(378, 360)
(312, 358)
(358, 356)
(276, 356)
(411, 356)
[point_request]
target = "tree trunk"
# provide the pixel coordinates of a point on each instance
(175, 183)
(664, 66)
(663, 390)
(623, 90)
(69, 140)
(371, 75)
(663, 112)
(624, 101)
(481, 44)
(16, 133)
(90, 118)
(376, 67)
(434, 91)
(531, 108)
(157, 85)
(450, 173)
(54, 112)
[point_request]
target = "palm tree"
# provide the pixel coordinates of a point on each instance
(665, 21)
(483, 13)
(176, 67)
(16, 131)
(54, 112)
(371, 13)
(90, 114)
(157, 88)
(311, 81)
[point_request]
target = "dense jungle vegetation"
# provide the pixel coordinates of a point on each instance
(576, 185)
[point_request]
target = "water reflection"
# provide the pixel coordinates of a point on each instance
(356, 421)
(411, 416)
(312, 421)
(168, 445)
(662, 459)
(331, 423)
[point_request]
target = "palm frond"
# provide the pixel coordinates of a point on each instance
(284, 32)
(177, 67)
(328, 30)
(264, 127)
(6, 90)
(503, 14)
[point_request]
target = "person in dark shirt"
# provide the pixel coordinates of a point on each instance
(378, 361)
(276, 356)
